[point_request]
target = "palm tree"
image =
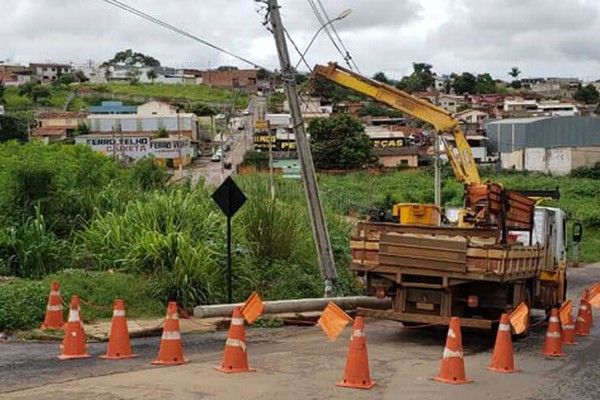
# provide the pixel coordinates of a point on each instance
(515, 72)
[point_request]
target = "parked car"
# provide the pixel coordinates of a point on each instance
(217, 155)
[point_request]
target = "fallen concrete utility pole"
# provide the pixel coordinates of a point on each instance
(300, 305)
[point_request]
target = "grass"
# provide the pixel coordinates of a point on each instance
(197, 93)
(59, 93)
(24, 301)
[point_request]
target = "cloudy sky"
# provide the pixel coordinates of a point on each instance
(541, 37)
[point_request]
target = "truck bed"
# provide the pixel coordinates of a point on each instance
(449, 252)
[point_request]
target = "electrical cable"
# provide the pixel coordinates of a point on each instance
(324, 26)
(347, 57)
(182, 32)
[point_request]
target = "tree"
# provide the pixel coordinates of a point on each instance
(420, 80)
(227, 68)
(201, 109)
(14, 128)
(339, 142)
(35, 91)
(133, 76)
(515, 72)
(587, 94)
(66, 79)
(485, 84)
(2, 88)
(516, 84)
(380, 77)
(152, 75)
(465, 83)
(80, 76)
(131, 58)
(263, 74)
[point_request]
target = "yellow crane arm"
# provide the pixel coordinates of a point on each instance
(461, 156)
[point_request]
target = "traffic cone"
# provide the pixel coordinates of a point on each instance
(356, 374)
(235, 358)
(453, 366)
(568, 332)
(502, 359)
(171, 348)
(588, 309)
(582, 324)
(54, 309)
(74, 345)
(119, 346)
(552, 345)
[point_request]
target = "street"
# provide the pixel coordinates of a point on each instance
(241, 141)
(299, 363)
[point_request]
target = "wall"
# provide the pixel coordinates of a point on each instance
(585, 156)
(512, 160)
(394, 161)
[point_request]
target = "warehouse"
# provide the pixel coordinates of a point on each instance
(554, 145)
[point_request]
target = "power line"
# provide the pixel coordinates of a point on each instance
(347, 57)
(180, 31)
(323, 22)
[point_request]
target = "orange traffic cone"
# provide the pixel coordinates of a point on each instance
(502, 359)
(74, 345)
(589, 310)
(171, 348)
(356, 374)
(568, 332)
(582, 324)
(54, 309)
(235, 358)
(453, 365)
(553, 345)
(119, 346)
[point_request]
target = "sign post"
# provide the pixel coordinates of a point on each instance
(230, 199)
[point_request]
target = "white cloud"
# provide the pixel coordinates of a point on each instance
(542, 37)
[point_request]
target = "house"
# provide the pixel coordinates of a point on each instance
(242, 79)
(113, 107)
(477, 143)
(555, 145)
(49, 72)
(149, 119)
(473, 120)
(9, 74)
(171, 151)
(57, 126)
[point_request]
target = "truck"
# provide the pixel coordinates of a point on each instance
(501, 252)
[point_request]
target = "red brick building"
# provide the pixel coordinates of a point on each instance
(244, 79)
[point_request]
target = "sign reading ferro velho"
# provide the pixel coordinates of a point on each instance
(137, 147)
(230, 198)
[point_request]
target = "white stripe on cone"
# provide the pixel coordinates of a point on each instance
(118, 313)
(236, 343)
(553, 334)
(172, 316)
(554, 319)
(237, 321)
(54, 308)
(504, 327)
(584, 308)
(73, 315)
(171, 335)
(451, 333)
(55, 293)
(451, 353)
(581, 319)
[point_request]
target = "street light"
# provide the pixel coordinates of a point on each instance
(342, 15)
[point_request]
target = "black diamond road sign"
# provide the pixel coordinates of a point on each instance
(229, 197)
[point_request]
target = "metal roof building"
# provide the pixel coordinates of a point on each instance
(509, 135)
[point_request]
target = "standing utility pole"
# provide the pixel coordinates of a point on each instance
(309, 177)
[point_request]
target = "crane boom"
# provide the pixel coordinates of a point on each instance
(460, 157)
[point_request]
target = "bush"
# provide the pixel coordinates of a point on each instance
(24, 301)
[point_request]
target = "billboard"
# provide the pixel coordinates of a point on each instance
(137, 147)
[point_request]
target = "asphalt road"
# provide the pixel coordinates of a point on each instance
(299, 363)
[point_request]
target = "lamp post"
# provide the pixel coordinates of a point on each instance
(340, 17)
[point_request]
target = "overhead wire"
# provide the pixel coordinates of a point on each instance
(347, 57)
(166, 25)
